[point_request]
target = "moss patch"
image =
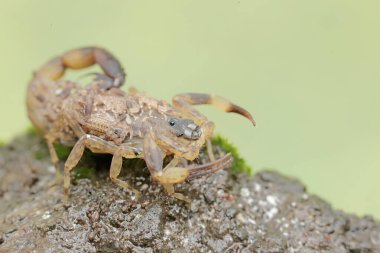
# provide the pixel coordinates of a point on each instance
(86, 167)
(62, 151)
(84, 172)
(31, 130)
(239, 165)
(40, 154)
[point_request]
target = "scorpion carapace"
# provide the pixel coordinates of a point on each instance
(105, 119)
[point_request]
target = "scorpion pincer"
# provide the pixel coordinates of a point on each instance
(105, 119)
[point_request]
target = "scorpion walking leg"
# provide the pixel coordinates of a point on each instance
(54, 159)
(210, 152)
(73, 159)
(50, 138)
(170, 190)
(116, 164)
(82, 58)
(98, 145)
(53, 153)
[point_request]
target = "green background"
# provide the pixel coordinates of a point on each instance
(307, 70)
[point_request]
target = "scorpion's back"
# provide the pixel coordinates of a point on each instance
(44, 101)
(114, 115)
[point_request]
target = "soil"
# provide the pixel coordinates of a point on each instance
(268, 212)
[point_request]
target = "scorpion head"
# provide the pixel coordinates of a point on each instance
(185, 128)
(180, 136)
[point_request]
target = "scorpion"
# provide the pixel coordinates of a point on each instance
(105, 119)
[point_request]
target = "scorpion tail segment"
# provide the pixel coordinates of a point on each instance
(205, 169)
(217, 101)
(82, 58)
(53, 70)
(110, 65)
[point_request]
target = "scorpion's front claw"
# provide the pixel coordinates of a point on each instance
(172, 175)
(185, 100)
(205, 169)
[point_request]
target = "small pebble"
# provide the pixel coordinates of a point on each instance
(244, 192)
(144, 187)
(231, 212)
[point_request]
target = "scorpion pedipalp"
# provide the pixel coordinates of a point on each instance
(208, 168)
(186, 99)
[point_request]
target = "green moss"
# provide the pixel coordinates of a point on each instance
(2, 143)
(239, 165)
(31, 130)
(84, 172)
(40, 154)
(62, 151)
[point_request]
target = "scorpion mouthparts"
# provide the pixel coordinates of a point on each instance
(197, 133)
(192, 131)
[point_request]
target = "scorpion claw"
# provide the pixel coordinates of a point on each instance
(187, 99)
(173, 175)
(240, 110)
(205, 169)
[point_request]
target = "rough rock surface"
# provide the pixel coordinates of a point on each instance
(265, 213)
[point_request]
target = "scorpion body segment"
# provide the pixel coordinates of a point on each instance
(105, 119)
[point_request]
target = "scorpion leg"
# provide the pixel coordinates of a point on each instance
(98, 145)
(210, 152)
(50, 138)
(54, 159)
(73, 159)
(82, 58)
(169, 188)
(185, 100)
(116, 164)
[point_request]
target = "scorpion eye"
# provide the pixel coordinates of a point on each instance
(171, 122)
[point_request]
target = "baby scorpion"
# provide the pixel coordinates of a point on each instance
(105, 119)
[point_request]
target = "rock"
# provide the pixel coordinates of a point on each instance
(265, 213)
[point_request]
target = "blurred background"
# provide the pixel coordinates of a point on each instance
(307, 70)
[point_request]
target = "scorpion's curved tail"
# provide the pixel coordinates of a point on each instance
(81, 58)
(46, 94)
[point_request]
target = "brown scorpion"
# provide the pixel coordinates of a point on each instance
(105, 119)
